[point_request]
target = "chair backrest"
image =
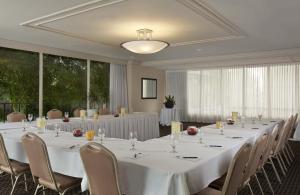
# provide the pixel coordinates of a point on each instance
(255, 156)
(283, 135)
(294, 126)
(54, 114)
(104, 111)
(4, 159)
(76, 112)
(37, 154)
(15, 117)
(101, 168)
(271, 139)
(236, 170)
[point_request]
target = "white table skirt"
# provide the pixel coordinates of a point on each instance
(157, 172)
(145, 124)
(168, 115)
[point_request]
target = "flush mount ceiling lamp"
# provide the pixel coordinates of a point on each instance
(144, 43)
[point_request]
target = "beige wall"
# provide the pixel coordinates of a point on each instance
(134, 74)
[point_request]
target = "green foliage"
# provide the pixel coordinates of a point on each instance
(99, 80)
(169, 100)
(19, 79)
(65, 83)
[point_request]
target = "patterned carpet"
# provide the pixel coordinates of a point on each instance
(290, 184)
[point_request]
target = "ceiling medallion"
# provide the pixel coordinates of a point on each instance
(144, 43)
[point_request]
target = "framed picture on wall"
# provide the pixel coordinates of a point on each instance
(149, 88)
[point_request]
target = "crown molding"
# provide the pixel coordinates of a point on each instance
(198, 6)
(57, 51)
(251, 58)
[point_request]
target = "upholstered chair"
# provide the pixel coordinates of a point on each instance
(54, 114)
(104, 111)
(14, 168)
(76, 112)
(101, 168)
(16, 117)
(235, 174)
(252, 165)
(265, 157)
(40, 167)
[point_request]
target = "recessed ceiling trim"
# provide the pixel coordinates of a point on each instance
(198, 6)
(264, 57)
(72, 11)
(201, 8)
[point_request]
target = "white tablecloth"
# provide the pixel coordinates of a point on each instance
(297, 132)
(145, 124)
(157, 171)
(168, 115)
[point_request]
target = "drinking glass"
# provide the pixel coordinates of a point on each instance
(133, 139)
(30, 118)
(101, 134)
(201, 136)
(260, 117)
(173, 143)
(66, 114)
(56, 129)
(221, 128)
(23, 125)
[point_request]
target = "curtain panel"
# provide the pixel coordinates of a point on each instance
(207, 94)
(118, 92)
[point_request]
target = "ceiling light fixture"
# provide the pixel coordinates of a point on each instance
(144, 43)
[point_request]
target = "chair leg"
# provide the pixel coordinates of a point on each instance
(14, 186)
(37, 189)
(280, 165)
(25, 183)
(286, 157)
(289, 153)
(275, 170)
(12, 180)
(290, 150)
(283, 163)
(260, 188)
(251, 191)
(267, 178)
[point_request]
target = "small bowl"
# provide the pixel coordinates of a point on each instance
(192, 130)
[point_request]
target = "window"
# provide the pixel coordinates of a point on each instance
(65, 83)
(99, 84)
(19, 82)
(270, 90)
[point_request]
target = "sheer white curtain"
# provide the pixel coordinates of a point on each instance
(118, 92)
(176, 85)
(270, 90)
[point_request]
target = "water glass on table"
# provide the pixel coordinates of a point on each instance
(101, 134)
(133, 139)
(173, 142)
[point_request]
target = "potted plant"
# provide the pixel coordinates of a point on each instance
(169, 101)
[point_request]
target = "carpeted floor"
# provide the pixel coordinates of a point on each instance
(290, 184)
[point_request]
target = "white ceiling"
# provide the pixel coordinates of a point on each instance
(195, 28)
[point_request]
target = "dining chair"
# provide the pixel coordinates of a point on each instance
(253, 163)
(277, 149)
(15, 117)
(54, 114)
(104, 111)
(235, 174)
(263, 161)
(291, 135)
(100, 165)
(14, 168)
(37, 154)
(76, 112)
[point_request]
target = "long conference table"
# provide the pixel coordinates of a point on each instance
(145, 124)
(155, 170)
